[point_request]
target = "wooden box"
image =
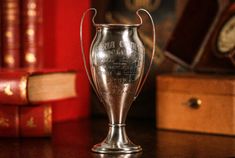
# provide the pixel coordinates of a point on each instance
(198, 103)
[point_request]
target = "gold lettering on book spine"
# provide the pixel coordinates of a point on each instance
(9, 59)
(47, 119)
(32, 5)
(4, 122)
(32, 9)
(23, 88)
(11, 5)
(30, 32)
(11, 11)
(31, 123)
(9, 34)
(7, 90)
(30, 57)
(150, 5)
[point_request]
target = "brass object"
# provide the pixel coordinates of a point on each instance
(117, 59)
(194, 103)
(225, 41)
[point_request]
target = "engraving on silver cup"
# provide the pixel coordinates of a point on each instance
(117, 59)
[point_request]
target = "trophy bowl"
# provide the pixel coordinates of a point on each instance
(117, 59)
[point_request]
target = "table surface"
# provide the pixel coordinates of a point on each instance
(75, 139)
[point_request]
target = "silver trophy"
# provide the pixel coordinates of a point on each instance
(117, 59)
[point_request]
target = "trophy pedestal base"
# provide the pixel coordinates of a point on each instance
(111, 149)
(116, 142)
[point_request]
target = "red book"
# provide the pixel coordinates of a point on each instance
(1, 33)
(36, 121)
(31, 37)
(22, 121)
(10, 33)
(26, 122)
(31, 33)
(31, 58)
(62, 50)
(9, 116)
(20, 87)
(9, 121)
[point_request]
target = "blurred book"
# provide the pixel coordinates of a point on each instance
(31, 33)
(10, 11)
(20, 87)
(22, 33)
(25, 121)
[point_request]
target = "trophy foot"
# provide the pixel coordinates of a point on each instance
(116, 142)
(105, 148)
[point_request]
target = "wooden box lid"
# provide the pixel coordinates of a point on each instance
(197, 83)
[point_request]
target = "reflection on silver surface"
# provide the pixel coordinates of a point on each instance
(134, 155)
(117, 59)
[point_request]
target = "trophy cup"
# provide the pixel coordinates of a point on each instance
(117, 59)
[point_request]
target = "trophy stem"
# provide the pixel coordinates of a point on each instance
(116, 142)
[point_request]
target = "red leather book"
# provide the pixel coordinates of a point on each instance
(26, 121)
(31, 43)
(10, 33)
(9, 121)
(9, 116)
(19, 87)
(36, 121)
(1, 33)
(31, 33)
(62, 50)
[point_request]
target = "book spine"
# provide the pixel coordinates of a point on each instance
(25, 121)
(1, 33)
(9, 116)
(32, 33)
(13, 89)
(36, 121)
(10, 33)
(9, 121)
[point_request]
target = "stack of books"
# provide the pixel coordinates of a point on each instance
(26, 88)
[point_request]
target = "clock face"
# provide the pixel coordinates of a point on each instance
(226, 38)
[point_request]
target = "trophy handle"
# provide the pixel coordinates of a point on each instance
(153, 52)
(82, 48)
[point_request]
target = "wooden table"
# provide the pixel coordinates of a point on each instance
(74, 140)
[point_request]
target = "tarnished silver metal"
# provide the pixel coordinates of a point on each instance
(117, 59)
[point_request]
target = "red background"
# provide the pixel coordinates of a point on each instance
(62, 50)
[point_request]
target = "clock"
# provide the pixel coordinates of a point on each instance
(226, 38)
(225, 35)
(204, 38)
